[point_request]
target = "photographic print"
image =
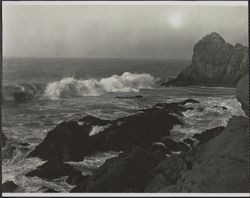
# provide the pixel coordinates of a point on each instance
(125, 97)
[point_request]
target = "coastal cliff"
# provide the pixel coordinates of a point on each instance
(214, 63)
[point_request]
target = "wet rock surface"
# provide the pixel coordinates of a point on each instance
(209, 134)
(220, 165)
(76, 178)
(167, 173)
(149, 162)
(173, 145)
(70, 141)
(50, 190)
(51, 170)
(220, 162)
(125, 173)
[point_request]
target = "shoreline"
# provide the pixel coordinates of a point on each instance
(176, 107)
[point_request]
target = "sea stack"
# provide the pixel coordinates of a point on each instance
(214, 63)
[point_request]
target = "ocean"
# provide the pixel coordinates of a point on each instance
(60, 89)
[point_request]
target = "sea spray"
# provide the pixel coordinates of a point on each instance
(127, 82)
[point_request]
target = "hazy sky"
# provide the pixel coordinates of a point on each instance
(165, 31)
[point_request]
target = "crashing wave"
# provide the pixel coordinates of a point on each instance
(127, 82)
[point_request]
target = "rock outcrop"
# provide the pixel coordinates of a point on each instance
(242, 94)
(221, 165)
(125, 173)
(208, 134)
(72, 141)
(214, 63)
(51, 170)
(220, 162)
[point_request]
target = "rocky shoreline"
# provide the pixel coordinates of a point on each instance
(215, 160)
(150, 161)
(143, 138)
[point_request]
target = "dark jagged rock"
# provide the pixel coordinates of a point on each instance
(50, 190)
(51, 170)
(220, 162)
(70, 141)
(125, 173)
(173, 145)
(80, 186)
(160, 151)
(91, 120)
(9, 186)
(208, 134)
(189, 142)
(76, 178)
(214, 63)
(167, 173)
(47, 189)
(141, 129)
(220, 165)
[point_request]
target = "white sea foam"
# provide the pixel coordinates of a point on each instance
(207, 114)
(97, 129)
(127, 82)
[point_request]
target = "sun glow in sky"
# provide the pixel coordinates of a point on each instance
(175, 19)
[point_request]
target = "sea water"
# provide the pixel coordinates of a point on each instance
(61, 89)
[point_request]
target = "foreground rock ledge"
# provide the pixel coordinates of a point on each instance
(221, 165)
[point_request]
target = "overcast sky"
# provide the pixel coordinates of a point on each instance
(167, 32)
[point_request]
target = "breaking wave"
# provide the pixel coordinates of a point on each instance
(127, 82)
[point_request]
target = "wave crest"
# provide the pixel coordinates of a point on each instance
(127, 82)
